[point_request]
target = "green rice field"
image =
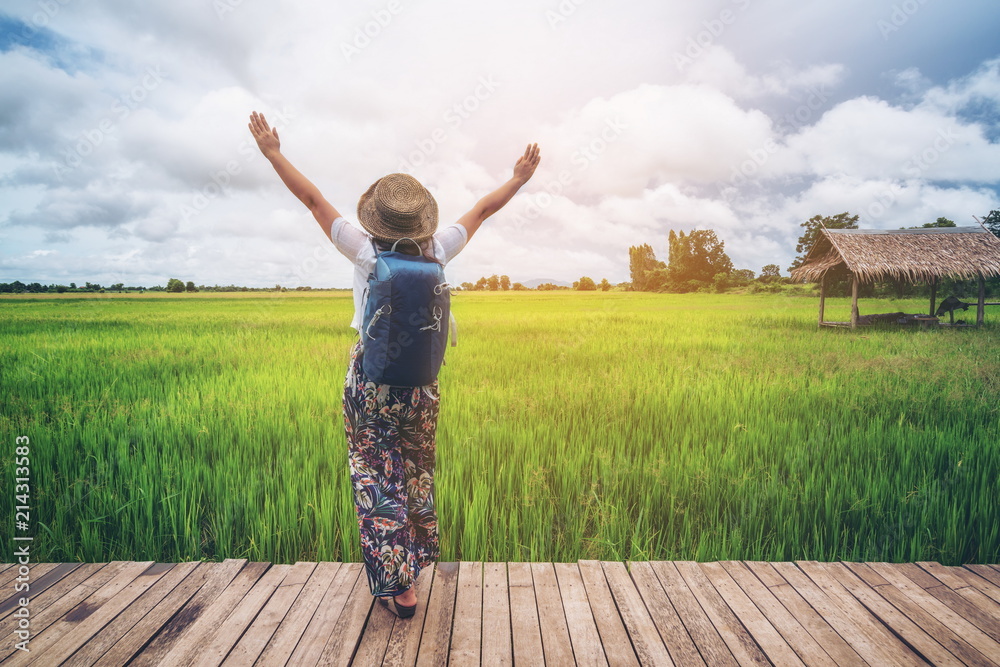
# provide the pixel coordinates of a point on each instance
(573, 426)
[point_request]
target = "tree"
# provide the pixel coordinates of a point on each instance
(585, 284)
(518, 287)
(720, 282)
(174, 285)
(493, 282)
(604, 285)
(770, 273)
(190, 286)
(992, 222)
(812, 233)
(504, 283)
(642, 260)
(741, 277)
(940, 222)
(118, 287)
(72, 285)
(468, 286)
(697, 257)
(481, 284)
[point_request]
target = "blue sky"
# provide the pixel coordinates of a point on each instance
(125, 157)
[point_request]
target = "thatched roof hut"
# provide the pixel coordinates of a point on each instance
(903, 254)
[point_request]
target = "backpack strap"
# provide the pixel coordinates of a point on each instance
(406, 238)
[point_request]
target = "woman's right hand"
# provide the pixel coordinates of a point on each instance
(267, 137)
(527, 163)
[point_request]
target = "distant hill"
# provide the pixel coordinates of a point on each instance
(535, 282)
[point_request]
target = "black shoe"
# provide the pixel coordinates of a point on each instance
(398, 609)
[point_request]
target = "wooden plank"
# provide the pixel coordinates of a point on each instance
(11, 571)
(467, 628)
(56, 601)
(40, 577)
(587, 649)
(66, 636)
(856, 628)
(740, 642)
(649, 646)
(989, 572)
(317, 633)
(274, 612)
(711, 647)
(346, 633)
(210, 580)
(219, 643)
(985, 621)
(675, 636)
(987, 580)
(958, 579)
(187, 650)
(766, 636)
(118, 633)
(440, 612)
(374, 639)
(614, 637)
(497, 648)
(139, 636)
(556, 644)
(969, 632)
(949, 576)
(888, 643)
(797, 637)
(307, 601)
(404, 642)
(934, 641)
(526, 633)
(813, 622)
(50, 609)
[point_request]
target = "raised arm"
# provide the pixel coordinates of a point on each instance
(301, 187)
(494, 201)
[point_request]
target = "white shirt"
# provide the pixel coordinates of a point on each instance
(356, 245)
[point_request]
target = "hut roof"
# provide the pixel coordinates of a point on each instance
(908, 254)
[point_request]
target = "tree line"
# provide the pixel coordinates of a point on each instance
(173, 285)
(697, 261)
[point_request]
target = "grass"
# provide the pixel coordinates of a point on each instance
(573, 425)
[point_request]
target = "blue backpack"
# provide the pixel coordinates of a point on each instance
(404, 330)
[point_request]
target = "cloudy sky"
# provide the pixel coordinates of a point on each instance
(125, 154)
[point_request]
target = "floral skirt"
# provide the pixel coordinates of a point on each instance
(391, 452)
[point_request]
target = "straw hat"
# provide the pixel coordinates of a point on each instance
(397, 206)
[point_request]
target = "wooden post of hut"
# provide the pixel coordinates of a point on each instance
(981, 306)
(854, 301)
(822, 297)
(934, 282)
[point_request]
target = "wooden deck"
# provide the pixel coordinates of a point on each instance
(470, 613)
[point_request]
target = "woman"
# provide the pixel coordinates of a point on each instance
(391, 430)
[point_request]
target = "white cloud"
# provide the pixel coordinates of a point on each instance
(631, 145)
(718, 68)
